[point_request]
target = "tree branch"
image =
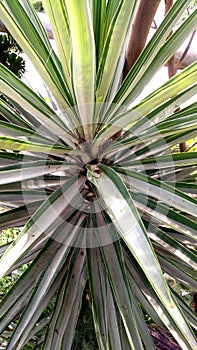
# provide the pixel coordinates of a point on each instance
(139, 33)
(185, 52)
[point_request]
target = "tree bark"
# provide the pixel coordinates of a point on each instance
(184, 56)
(190, 58)
(139, 33)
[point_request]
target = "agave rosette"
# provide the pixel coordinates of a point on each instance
(103, 199)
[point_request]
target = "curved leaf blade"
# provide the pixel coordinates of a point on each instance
(123, 212)
(83, 61)
(42, 219)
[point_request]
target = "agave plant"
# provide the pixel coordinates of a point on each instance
(104, 201)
